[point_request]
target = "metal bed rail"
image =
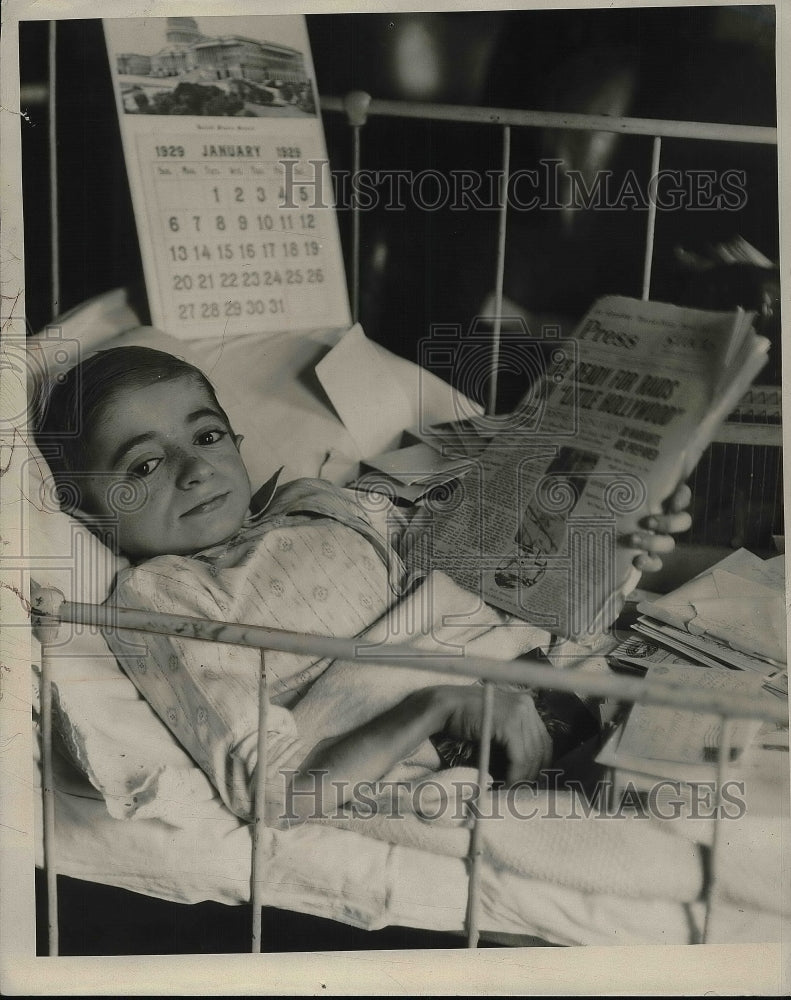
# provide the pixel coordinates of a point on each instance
(525, 672)
(359, 106)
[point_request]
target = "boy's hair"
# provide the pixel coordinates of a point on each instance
(70, 405)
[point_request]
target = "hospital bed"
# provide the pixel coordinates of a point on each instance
(190, 848)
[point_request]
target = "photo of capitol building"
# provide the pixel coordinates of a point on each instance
(229, 74)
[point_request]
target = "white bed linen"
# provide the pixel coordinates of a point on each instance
(339, 875)
(332, 873)
(368, 884)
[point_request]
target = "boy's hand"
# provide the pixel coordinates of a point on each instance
(516, 726)
(656, 535)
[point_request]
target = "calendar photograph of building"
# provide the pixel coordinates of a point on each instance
(189, 66)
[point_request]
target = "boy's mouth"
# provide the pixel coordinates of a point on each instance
(207, 505)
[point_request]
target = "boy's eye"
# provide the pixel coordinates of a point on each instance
(145, 468)
(211, 436)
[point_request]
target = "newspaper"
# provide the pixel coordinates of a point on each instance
(622, 411)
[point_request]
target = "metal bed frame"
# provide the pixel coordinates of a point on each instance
(358, 106)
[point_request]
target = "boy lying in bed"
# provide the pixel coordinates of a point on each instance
(156, 460)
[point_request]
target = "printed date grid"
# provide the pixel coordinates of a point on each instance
(232, 247)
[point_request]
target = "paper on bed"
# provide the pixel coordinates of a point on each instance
(677, 608)
(418, 463)
(749, 624)
(369, 400)
(378, 395)
(659, 732)
(740, 601)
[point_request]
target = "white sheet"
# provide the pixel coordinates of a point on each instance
(329, 872)
(343, 876)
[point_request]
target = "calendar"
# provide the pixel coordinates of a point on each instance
(228, 172)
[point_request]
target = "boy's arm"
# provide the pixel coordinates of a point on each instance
(328, 776)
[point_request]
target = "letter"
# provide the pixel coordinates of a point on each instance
(738, 800)
(288, 810)
(700, 791)
(553, 776)
(601, 795)
(582, 196)
(630, 194)
(361, 804)
(463, 801)
(630, 798)
(443, 189)
(510, 800)
(340, 785)
(701, 183)
(395, 199)
(290, 182)
(395, 800)
(653, 799)
(513, 180)
(466, 183)
(577, 792)
(551, 192)
(340, 187)
(734, 191)
(676, 195)
(417, 796)
(364, 192)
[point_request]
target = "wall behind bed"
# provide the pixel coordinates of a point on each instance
(421, 267)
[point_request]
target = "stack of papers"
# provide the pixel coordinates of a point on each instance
(674, 743)
(412, 471)
(732, 615)
(428, 457)
(724, 630)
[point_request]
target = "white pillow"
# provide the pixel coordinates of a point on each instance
(112, 734)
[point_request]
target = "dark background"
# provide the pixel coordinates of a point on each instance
(420, 267)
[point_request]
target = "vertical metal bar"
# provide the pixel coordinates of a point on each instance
(355, 227)
(476, 848)
(356, 106)
(53, 173)
(722, 769)
(48, 790)
(259, 805)
(491, 402)
(649, 236)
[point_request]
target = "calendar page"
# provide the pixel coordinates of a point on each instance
(228, 171)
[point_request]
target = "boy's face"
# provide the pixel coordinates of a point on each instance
(169, 445)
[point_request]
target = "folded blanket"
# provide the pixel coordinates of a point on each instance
(534, 833)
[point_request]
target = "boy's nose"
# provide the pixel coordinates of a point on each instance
(194, 470)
